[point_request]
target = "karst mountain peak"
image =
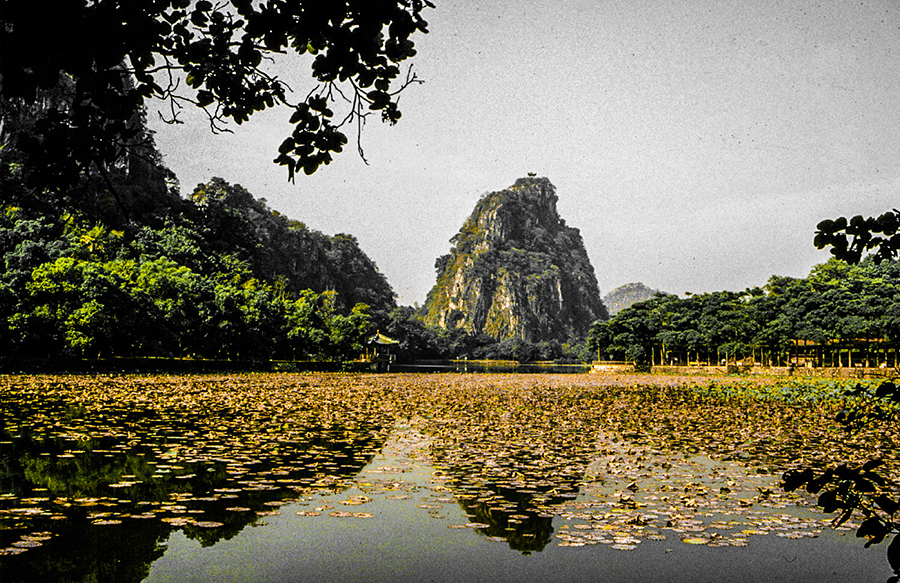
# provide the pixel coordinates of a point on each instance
(516, 270)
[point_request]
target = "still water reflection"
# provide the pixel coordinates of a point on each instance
(387, 478)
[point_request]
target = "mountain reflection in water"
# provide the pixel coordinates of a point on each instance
(387, 477)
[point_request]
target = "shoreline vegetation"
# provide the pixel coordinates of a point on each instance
(168, 365)
(200, 366)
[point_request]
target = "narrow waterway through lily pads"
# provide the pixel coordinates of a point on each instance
(391, 523)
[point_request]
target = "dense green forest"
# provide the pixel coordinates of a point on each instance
(119, 264)
(130, 268)
(197, 282)
(102, 255)
(837, 311)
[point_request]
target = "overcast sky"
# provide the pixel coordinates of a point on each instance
(696, 145)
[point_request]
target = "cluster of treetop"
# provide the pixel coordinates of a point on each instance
(840, 315)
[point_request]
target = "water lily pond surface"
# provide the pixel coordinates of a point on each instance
(422, 477)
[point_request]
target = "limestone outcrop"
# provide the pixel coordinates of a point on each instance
(516, 270)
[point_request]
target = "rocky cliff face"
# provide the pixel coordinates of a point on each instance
(517, 271)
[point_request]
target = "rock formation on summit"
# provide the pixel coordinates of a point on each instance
(517, 271)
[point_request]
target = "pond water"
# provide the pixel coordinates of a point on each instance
(488, 366)
(412, 478)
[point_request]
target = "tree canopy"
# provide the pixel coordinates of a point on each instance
(838, 307)
(218, 276)
(75, 75)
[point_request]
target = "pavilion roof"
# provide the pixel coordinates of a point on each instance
(380, 338)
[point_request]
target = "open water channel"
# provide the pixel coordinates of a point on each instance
(409, 478)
